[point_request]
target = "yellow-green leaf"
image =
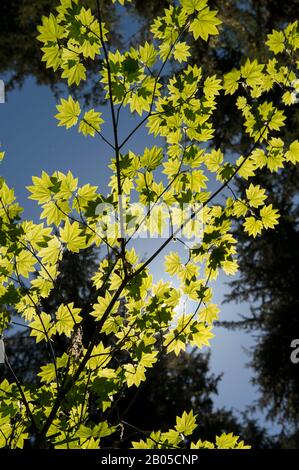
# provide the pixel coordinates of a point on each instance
(186, 423)
(253, 226)
(269, 216)
(91, 123)
(71, 235)
(205, 24)
(255, 195)
(66, 318)
(292, 155)
(69, 111)
(276, 41)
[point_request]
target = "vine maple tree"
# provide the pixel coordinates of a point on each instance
(135, 321)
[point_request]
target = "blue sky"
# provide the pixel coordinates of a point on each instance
(33, 142)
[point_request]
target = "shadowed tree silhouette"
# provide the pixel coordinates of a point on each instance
(269, 279)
